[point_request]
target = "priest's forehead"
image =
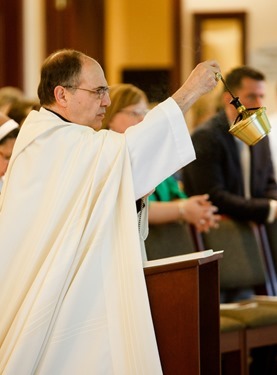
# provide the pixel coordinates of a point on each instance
(92, 73)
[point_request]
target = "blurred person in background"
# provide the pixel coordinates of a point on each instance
(20, 108)
(8, 95)
(8, 133)
(238, 178)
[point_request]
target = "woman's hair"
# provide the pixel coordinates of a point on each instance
(122, 95)
(8, 95)
(60, 68)
(21, 108)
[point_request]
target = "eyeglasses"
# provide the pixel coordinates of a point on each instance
(100, 91)
(135, 113)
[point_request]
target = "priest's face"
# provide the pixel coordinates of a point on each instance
(86, 104)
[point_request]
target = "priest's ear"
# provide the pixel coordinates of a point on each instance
(61, 95)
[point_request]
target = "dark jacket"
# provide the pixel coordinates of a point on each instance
(217, 171)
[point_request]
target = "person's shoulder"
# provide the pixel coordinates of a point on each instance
(107, 138)
(219, 120)
(209, 128)
(212, 135)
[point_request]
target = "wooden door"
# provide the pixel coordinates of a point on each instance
(77, 24)
(11, 43)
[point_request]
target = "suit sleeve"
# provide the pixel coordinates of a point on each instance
(217, 171)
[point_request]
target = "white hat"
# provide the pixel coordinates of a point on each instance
(7, 127)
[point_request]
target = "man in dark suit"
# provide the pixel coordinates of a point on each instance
(238, 178)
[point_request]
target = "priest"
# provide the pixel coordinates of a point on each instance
(73, 298)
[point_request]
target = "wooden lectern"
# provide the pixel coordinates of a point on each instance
(184, 299)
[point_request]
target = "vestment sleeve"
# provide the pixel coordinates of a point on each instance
(158, 146)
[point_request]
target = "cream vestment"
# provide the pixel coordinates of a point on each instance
(73, 298)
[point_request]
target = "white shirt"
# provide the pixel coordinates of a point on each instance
(273, 140)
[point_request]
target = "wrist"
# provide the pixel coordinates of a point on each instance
(182, 211)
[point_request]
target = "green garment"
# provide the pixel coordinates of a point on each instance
(167, 191)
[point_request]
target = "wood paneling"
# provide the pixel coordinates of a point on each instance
(77, 24)
(11, 43)
(184, 301)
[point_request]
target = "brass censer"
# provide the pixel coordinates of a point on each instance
(251, 124)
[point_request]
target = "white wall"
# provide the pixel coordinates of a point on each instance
(33, 45)
(136, 37)
(261, 32)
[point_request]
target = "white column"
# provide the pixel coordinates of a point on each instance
(33, 44)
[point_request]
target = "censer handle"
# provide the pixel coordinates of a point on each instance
(235, 100)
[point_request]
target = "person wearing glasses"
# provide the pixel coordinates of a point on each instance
(73, 298)
(129, 105)
(239, 178)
